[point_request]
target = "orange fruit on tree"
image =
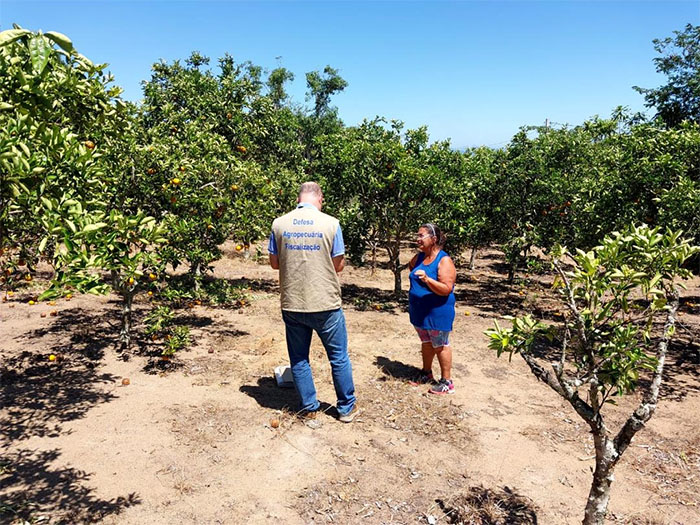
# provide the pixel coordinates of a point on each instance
(239, 247)
(52, 357)
(181, 168)
(89, 144)
(175, 181)
(151, 171)
(234, 187)
(131, 280)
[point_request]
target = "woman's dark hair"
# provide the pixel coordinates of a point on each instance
(435, 232)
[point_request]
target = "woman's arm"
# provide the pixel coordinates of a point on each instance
(412, 262)
(447, 275)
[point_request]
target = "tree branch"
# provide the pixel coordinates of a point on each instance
(561, 386)
(648, 405)
(571, 303)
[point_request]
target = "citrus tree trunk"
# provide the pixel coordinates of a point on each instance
(196, 274)
(125, 332)
(511, 272)
(472, 258)
(598, 497)
(394, 250)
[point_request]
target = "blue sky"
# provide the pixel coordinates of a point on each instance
(473, 72)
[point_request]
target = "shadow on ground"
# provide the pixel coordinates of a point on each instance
(396, 369)
(370, 298)
(681, 372)
(493, 295)
(267, 394)
(38, 396)
(32, 485)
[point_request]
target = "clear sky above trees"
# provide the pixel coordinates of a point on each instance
(472, 71)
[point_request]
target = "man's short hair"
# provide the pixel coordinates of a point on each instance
(310, 187)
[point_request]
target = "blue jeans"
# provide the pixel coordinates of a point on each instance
(330, 327)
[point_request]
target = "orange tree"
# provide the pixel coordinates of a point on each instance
(655, 174)
(67, 145)
(56, 117)
(379, 184)
(576, 185)
(540, 178)
(621, 300)
(207, 168)
(471, 208)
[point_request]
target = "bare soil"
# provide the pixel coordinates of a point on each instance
(209, 438)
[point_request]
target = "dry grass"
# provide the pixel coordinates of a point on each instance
(343, 501)
(204, 425)
(216, 371)
(670, 468)
(397, 405)
(484, 506)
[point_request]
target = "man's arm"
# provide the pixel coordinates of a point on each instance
(272, 250)
(338, 251)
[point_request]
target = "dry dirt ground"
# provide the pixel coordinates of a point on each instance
(197, 441)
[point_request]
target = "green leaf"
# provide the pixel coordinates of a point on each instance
(10, 35)
(47, 203)
(51, 293)
(39, 50)
(62, 41)
(94, 227)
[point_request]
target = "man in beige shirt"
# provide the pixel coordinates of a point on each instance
(307, 248)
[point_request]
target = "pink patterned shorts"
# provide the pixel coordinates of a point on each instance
(436, 337)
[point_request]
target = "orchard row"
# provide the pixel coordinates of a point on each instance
(110, 193)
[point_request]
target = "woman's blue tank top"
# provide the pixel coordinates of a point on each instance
(426, 309)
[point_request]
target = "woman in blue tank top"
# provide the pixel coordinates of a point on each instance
(431, 305)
